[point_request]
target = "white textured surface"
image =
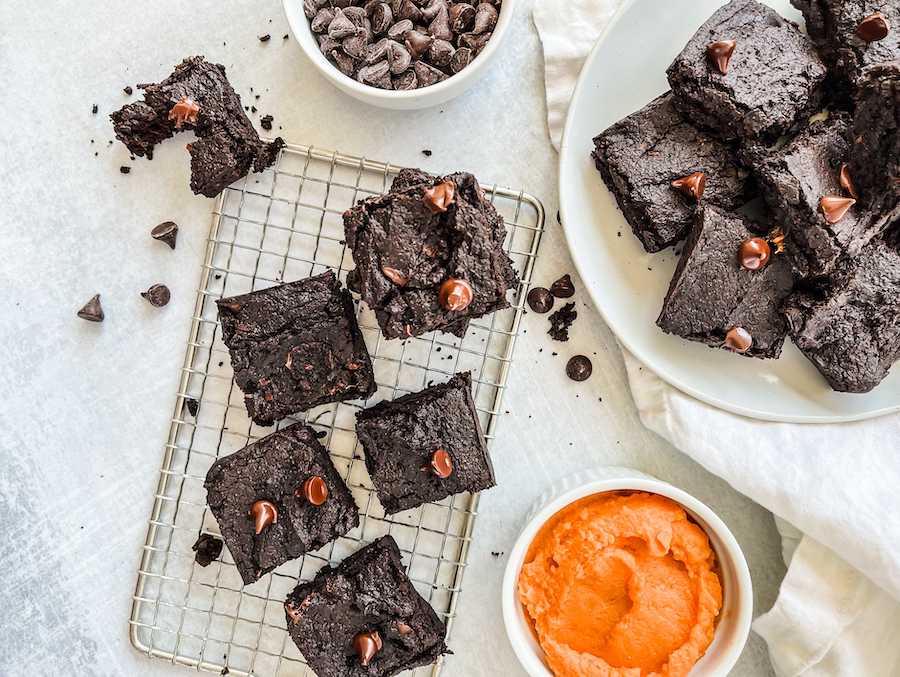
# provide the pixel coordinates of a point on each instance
(84, 408)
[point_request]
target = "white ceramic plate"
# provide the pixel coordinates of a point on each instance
(625, 71)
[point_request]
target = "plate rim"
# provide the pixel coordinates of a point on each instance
(564, 154)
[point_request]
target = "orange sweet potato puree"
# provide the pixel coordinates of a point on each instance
(621, 585)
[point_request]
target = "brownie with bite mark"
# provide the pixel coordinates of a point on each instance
(711, 294)
(834, 26)
(425, 233)
(280, 469)
(296, 346)
(796, 177)
(640, 156)
(425, 446)
(771, 81)
(848, 323)
(198, 97)
(364, 617)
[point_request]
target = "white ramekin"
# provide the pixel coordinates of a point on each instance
(737, 603)
(407, 100)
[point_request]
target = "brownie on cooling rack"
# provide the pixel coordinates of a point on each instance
(425, 446)
(278, 499)
(640, 156)
(429, 254)
(197, 97)
(851, 36)
(747, 73)
(848, 323)
(364, 618)
(711, 294)
(296, 346)
(796, 178)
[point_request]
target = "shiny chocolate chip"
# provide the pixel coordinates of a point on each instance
(753, 254)
(540, 300)
(92, 312)
(846, 183)
(438, 198)
(835, 207)
(439, 464)
(692, 185)
(563, 287)
(720, 54)
(366, 645)
(874, 27)
(263, 513)
(738, 340)
(579, 368)
(158, 295)
(394, 276)
(166, 232)
(403, 628)
(313, 490)
(184, 112)
(455, 295)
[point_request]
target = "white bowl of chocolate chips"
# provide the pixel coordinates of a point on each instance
(401, 54)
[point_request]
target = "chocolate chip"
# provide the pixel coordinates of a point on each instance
(455, 294)
(692, 185)
(322, 19)
(193, 406)
(474, 41)
(540, 300)
(313, 490)
(382, 18)
(434, 7)
(439, 464)
(92, 312)
(377, 75)
(738, 340)
(438, 198)
(427, 75)
(426, 153)
(394, 276)
(561, 320)
(440, 27)
(753, 254)
(366, 645)
(208, 549)
(485, 18)
(579, 368)
(355, 45)
(720, 54)
(461, 58)
(418, 43)
(263, 513)
(440, 53)
(266, 122)
(405, 81)
(834, 207)
(166, 232)
(846, 183)
(462, 17)
(400, 29)
(874, 27)
(563, 287)
(408, 10)
(398, 57)
(158, 295)
(128, 90)
(265, 38)
(94, 109)
(376, 51)
(340, 26)
(124, 170)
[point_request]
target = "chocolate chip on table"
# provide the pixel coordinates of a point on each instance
(266, 122)
(124, 169)
(158, 295)
(561, 320)
(426, 153)
(208, 549)
(128, 90)
(166, 232)
(540, 300)
(563, 287)
(193, 406)
(579, 368)
(92, 312)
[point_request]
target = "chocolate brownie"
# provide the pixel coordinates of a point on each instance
(425, 446)
(364, 617)
(848, 324)
(429, 254)
(276, 478)
(771, 78)
(712, 294)
(875, 151)
(795, 178)
(640, 156)
(833, 25)
(197, 97)
(296, 346)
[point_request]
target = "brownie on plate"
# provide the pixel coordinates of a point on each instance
(848, 323)
(278, 499)
(640, 156)
(429, 254)
(364, 618)
(425, 446)
(747, 73)
(851, 36)
(197, 97)
(712, 295)
(796, 178)
(296, 346)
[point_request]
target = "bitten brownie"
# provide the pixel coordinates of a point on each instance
(364, 618)
(848, 324)
(795, 178)
(833, 26)
(640, 156)
(197, 97)
(424, 446)
(711, 293)
(296, 346)
(772, 78)
(429, 254)
(279, 470)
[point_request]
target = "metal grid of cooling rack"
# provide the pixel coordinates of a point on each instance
(283, 225)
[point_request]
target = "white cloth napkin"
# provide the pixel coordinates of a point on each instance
(837, 612)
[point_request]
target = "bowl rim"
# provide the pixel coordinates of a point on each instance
(304, 33)
(630, 480)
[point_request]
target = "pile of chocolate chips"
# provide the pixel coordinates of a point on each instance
(401, 44)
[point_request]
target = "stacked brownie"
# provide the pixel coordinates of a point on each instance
(820, 268)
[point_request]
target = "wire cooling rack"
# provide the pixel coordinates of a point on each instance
(283, 225)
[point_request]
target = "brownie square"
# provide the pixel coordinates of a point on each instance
(296, 346)
(711, 293)
(640, 156)
(227, 146)
(368, 592)
(848, 324)
(772, 80)
(400, 439)
(832, 26)
(795, 178)
(404, 253)
(275, 469)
